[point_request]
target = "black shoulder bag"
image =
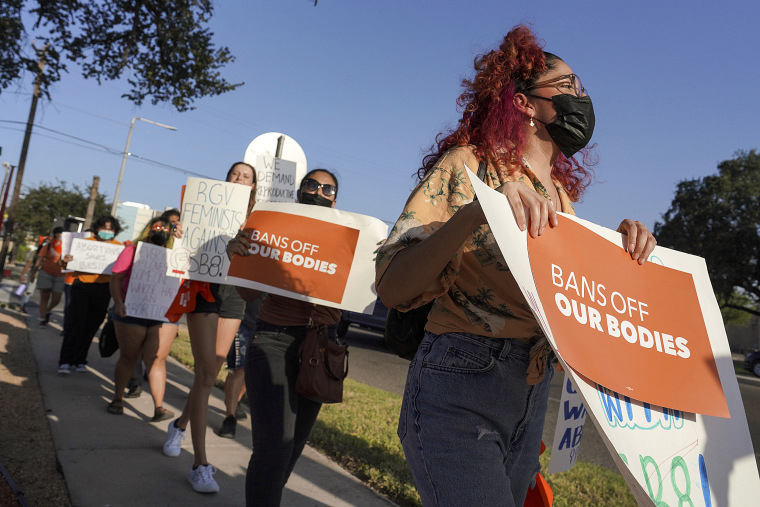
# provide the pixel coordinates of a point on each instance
(404, 330)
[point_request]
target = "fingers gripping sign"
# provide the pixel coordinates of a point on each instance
(640, 241)
(532, 211)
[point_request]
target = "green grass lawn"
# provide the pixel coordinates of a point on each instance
(360, 435)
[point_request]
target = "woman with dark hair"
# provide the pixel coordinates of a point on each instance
(281, 419)
(50, 279)
(212, 326)
(89, 303)
(157, 352)
(139, 337)
(476, 392)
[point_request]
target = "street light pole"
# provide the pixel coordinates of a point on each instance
(126, 154)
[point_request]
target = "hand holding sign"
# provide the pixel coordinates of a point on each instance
(212, 213)
(309, 253)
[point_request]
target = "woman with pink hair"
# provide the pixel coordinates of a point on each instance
(476, 392)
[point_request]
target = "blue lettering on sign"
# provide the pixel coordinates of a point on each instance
(705, 484)
(643, 417)
(574, 411)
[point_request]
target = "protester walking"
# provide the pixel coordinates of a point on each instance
(89, 303)
(281, 419)
(49, 276)
(476, 392)
(139, 337)
(167, 333)
(212, 326)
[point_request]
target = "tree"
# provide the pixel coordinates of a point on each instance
(162, 46)
(718, 218)
(40, 206)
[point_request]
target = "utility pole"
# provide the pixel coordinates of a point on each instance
(22, 162)
(91, 204)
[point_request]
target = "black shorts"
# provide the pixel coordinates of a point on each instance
(135, 321)
(204, 306)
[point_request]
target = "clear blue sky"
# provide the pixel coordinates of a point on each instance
(364, 87)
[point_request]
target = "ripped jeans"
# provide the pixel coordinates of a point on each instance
(470, 425)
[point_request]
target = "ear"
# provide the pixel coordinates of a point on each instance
(522, 104)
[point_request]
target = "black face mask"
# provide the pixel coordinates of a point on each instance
(158, 237)
(314, 199)
(574, 126)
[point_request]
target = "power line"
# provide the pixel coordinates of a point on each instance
(104, 148)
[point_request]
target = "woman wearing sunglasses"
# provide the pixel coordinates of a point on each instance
(281, 420)
(139, 337)
(476, 392)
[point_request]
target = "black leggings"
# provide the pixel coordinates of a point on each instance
(281, 420)
(89, 304)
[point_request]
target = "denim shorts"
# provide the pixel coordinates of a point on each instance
(470, 425)
(46, 281)
(231, 305)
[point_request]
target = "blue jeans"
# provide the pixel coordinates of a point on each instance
(470, 425)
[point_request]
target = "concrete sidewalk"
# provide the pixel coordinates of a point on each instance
(117, 460)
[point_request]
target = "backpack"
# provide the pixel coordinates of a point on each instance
(404, 330)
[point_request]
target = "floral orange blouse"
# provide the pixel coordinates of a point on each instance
(475, 292)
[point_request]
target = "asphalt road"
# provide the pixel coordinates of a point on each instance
(373, 364)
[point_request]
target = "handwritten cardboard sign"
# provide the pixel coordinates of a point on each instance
(96, 257)
(150, 291)
(569, 431)
(212, 213)
(311, 253)
(667, 456)
(66, 239)
(275, 179)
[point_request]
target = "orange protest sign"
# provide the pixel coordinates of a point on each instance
(297, 254)
(637, 330)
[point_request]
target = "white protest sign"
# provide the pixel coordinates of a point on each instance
(311, 253)
(275, 179)
(667, 456)
(280, 165)
(151, 291)
(569, 430)
(66, 239)
(212, 213)
(91, 256)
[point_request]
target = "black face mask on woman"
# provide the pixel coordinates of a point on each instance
(158, 237)
(314, 199)
(571, 131)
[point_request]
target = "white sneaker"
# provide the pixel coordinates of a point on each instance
(64, 369)
(173, 445)
(82, 368)
(202, 479)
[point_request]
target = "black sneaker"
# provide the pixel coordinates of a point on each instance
(228, 427)
(240, 414)
(134, 392)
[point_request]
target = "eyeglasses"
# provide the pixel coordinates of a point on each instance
(159, 227)
(569, 84)
(313, 185)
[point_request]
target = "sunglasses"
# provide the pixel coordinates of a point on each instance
(313, 185)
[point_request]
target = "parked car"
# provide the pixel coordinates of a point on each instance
(375, 321)
(752, 362)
